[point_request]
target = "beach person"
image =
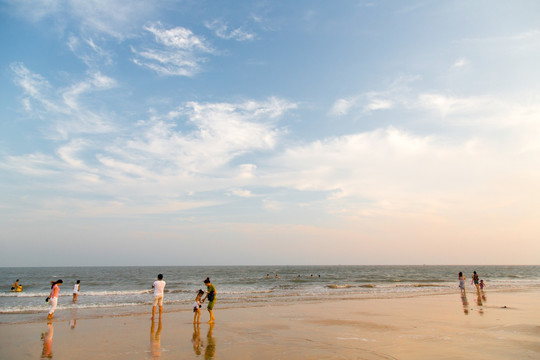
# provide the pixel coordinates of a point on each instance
(158, 286)
(197, 307)
(76, 289)
(461, 278)
(268, 276)
(53, 297)
(475, 280)
(15, 285)
(211, 296)
(481, 284)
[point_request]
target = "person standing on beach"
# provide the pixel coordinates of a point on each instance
(476, 279)
(53, 297)
(158, 286)
(76, 289)
(211, 295)
(197, 307)
(461, 278)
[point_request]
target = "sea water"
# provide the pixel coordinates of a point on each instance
(109, 291)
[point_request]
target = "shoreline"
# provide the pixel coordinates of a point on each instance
(121, 310)
(503, 325)
(96, 312)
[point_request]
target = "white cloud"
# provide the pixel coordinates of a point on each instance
(222, 30)
(115, 18)
(459, 63)
(241, 193)
(176, 51)
(63, 109)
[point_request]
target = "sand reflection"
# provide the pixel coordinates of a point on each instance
(47, 338)
(155, 340)
(465, 303)
(196, 339)
(210, 350)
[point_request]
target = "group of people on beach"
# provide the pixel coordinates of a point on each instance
(52, 299)
(475, 280)
(159, 289)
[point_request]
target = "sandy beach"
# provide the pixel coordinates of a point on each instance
(504, 325)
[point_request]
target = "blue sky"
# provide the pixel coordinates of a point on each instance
(269, 132)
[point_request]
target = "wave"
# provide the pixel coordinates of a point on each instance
(85, 293)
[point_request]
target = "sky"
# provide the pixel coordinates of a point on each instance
(269, 132)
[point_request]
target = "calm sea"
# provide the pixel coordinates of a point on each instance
(109, 291)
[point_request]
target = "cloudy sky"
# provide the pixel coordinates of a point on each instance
(269, 132)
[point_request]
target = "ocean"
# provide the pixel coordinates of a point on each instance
(113, 291)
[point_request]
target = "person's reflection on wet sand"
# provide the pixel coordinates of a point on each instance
(479, 303)
(210, 351)
(465, 303)
(73, 321)
(47, 338)
(155, 340)
(196, 339)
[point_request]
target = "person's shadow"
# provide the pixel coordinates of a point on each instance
(47, 338)
(155, 340)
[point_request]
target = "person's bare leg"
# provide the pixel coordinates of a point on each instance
(153, 312)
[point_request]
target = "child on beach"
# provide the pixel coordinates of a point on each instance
(53, 297)
(197, 307)
(461, 278)
(481, 284)
(76, 289)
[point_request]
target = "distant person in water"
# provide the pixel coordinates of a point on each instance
(211, 296)
(158, 286)
(15, 285)
(481, 284)
(476, 280)
(461, 278)
(53, 297)
(76, 289)
(268, 276)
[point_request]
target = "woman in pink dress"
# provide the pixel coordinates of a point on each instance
(53, 297)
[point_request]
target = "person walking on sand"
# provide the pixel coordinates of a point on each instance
(461, 278)
(53, 297)
(476, 280)
(158, 286)
(76, 289)
(211, 295)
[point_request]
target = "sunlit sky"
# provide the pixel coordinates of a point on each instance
(269, 132)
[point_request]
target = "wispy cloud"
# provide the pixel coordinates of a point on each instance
(63, 108)
(223, 31)
(115, 18)
(176, 51)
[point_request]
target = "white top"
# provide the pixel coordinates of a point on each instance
(159, 285)
(196, 305)
(76, 288)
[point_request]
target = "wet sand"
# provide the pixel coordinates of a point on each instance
(503, 325)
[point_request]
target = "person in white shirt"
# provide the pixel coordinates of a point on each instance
(76, 289)
(158, 286)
